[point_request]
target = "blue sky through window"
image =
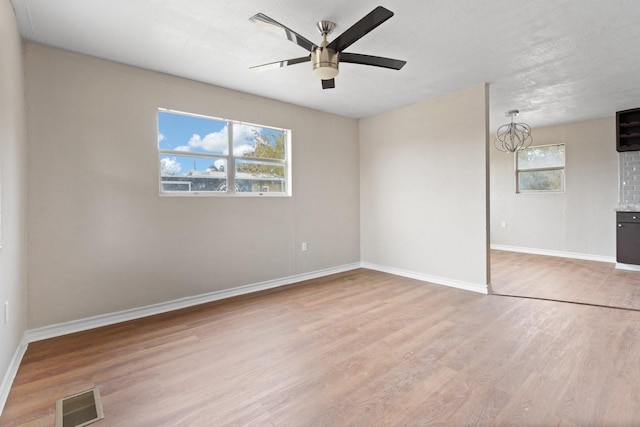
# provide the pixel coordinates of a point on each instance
(193, 134)
(182, 132)
(191, 144)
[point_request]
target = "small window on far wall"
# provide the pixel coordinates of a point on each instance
(540, 169)
(201, 155)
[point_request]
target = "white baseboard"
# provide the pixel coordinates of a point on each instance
(467, 286)
(629, 267)
(65, 328)
(548, 252)
(11, 372)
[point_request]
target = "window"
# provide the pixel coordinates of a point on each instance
(540, 169)
(201, 155)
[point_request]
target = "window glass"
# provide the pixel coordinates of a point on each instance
(545, 156)
(541, 169)
(190, 173)
(192, 134)
(253, 141)
(547, 180)
(252, 176)
(194, 152)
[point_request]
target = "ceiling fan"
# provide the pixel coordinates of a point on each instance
(326, 57)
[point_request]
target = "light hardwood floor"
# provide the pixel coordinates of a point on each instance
(564, 279)
(361, 348)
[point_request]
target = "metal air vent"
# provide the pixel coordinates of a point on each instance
(80, 409)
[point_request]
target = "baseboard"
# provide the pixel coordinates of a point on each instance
(65, 328)
(467, 286)
(561, 254)
(11, 372)
(629, 267)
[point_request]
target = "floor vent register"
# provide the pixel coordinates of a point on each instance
(80, 409)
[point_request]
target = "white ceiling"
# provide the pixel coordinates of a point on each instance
(554, 60)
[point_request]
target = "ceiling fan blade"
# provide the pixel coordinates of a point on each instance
(272, 25)
(328, 84)
(376, 17)
(376, 61)
(280, 64)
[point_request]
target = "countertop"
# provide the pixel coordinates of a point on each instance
(628, 208)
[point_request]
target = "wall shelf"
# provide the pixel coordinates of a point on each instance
(628, 130)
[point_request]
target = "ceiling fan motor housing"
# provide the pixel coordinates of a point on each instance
(325, 62)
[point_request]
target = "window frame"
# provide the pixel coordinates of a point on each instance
(231, 159)
(542, 169)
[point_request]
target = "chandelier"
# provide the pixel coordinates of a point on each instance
(513, 137)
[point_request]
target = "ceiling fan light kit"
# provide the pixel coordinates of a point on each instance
(326, 57)
(325, 63)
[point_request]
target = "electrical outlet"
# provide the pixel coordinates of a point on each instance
(304, 246)
(503, 224)
(6, 312)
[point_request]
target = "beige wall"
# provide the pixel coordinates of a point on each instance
(13, 284)
(582, 219)
(423, 188)
(102, 240)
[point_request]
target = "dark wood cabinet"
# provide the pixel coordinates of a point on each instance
(628, 237)
(628, 130)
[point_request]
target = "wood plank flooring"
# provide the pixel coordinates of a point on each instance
(564, 279)
(360, 348)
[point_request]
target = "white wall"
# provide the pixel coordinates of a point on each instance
(579, 221)
(423, 188)
(102, 240)
(13, 285)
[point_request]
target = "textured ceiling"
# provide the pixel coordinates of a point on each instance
(554, 60)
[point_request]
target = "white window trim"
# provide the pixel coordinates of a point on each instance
(230, 159)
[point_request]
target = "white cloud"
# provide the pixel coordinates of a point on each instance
(219, 163)
(239, 150)
(243, 140)
(213, 142)
(169, 166)
(160, 137)
(244, 136)
(183, 148)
